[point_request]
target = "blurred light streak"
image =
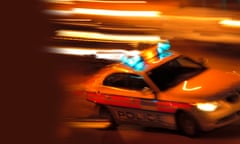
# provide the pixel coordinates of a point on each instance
(108, 1)
(90, 124)
(112, 37)
(73, 20)
(58, 12)
(116, 12)
(108, 54)
(195, 18)
(96, 1)
(126, 28)
(230, 23)
(60, 1)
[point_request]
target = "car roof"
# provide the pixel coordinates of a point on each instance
(148, 65)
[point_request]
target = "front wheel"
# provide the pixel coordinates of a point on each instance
(187, 124)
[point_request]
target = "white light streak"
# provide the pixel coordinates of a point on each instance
(230, 23)
(108, 54)
(116, 12)
(111, 37)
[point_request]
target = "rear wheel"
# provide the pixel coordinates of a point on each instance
(187, 124)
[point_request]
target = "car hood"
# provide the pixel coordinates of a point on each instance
(208, 85)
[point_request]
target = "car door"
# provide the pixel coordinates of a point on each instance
(125, 89)
(131, 100)
(126, 85)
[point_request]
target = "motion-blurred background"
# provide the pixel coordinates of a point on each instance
(54, 46)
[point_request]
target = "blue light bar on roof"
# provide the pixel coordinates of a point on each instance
(163, 46)
(136, 62)
(162, 49)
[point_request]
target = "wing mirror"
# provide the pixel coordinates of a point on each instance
(147, 91)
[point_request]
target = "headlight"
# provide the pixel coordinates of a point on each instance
(208, 106)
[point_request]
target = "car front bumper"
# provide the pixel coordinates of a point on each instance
(224, 115)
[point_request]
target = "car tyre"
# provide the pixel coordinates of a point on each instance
(105, 113)
(187, 124)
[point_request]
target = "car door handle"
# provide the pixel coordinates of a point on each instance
(133, 100)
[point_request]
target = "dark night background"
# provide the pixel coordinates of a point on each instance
(30, 95)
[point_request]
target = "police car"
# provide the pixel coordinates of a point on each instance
(163, 88)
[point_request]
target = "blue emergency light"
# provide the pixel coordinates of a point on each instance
(137, 62)
(162, 49)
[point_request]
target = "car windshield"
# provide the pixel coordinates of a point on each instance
(175, 71)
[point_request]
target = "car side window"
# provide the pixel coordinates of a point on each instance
(126, 81)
